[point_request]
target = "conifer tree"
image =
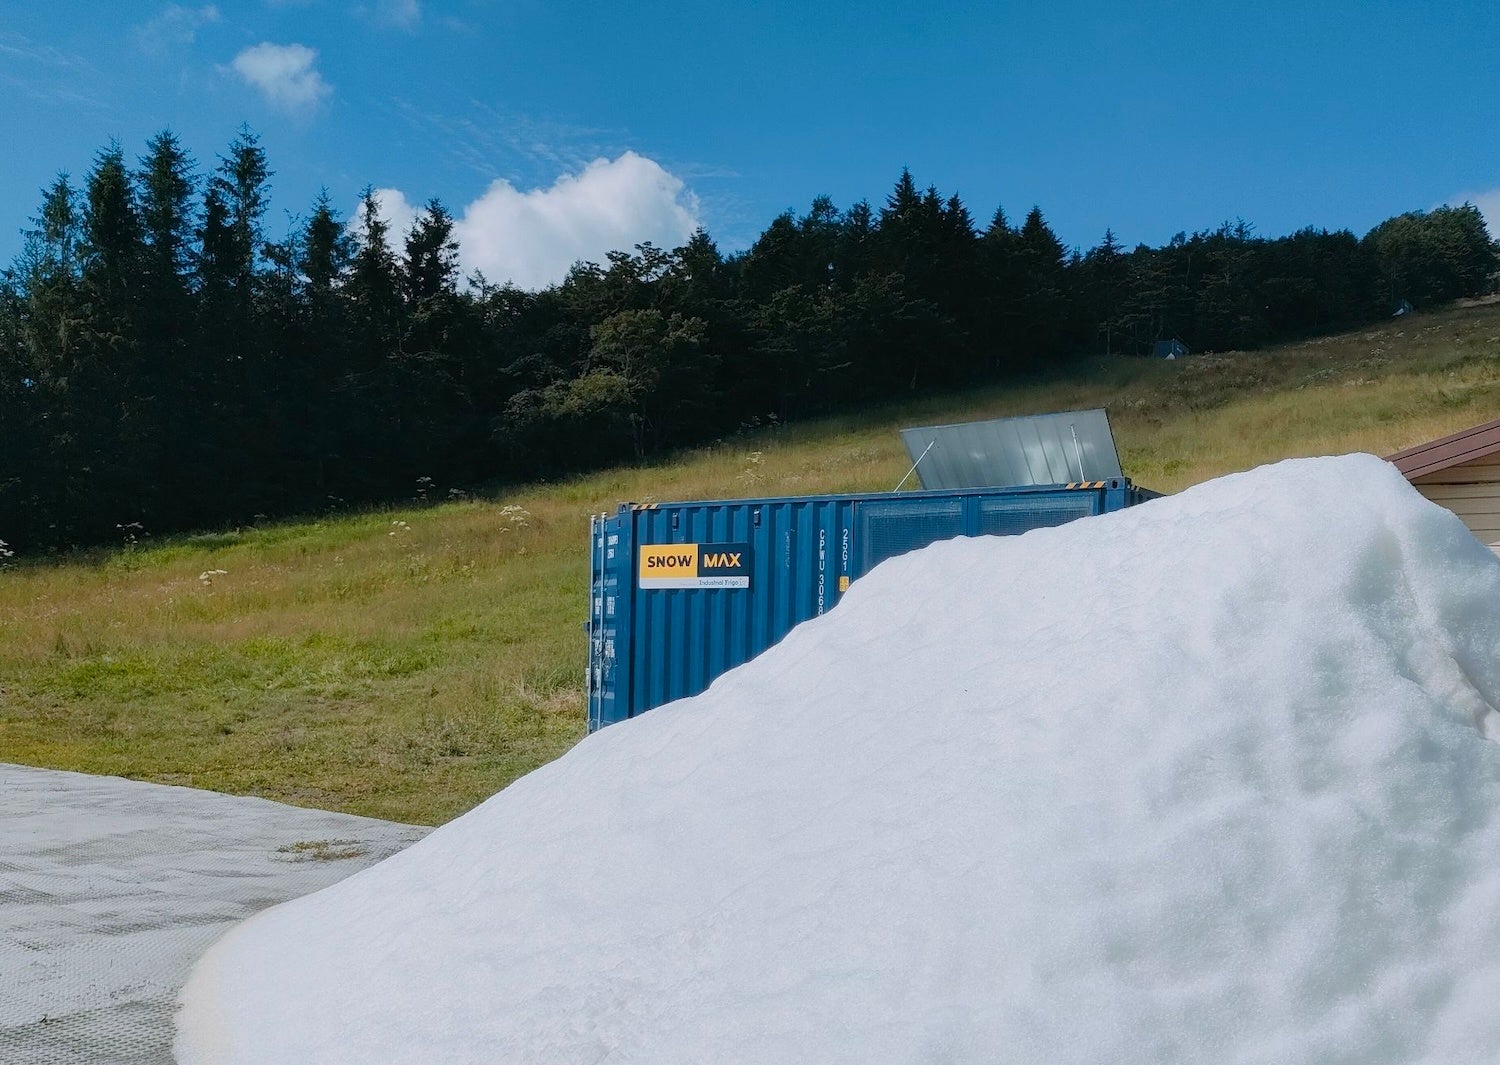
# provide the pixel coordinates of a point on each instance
(1044, 265)
(429, 269)
(327, 250)
(374, 286)
(432, 409)
(852, 257)
(47, 276)
(1104, 284)
(165, 188)
(112, 249)
(113, 446)
(171, 384)
(368, 389)
(242, 181)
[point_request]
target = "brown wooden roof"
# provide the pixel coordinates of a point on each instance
(1454, 450)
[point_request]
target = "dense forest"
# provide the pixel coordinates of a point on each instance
(165, 364)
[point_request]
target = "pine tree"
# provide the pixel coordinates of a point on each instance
(38, 342)
(853, 256)
(327, 251)
(47, 279)
(1047, 327)
(1106, 274)
(24, 457)
(313, 348)
(113, 251)
(242, 181)
(433, 412)
(904, 198)
(165, 188)
(374, 286)
(429, 269)
(368, 390)
(119, 450)
(239, 375)
(772, 262)
(1001, 312)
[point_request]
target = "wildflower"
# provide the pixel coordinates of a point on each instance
(206, 578)
(752, 471)
(131, 532)
(515, 517)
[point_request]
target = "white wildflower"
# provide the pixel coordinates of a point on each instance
(515, 517)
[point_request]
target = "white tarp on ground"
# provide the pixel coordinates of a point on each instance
(1202, 781)
(110, 889)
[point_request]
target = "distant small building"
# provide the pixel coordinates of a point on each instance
(1170, 349)
(1460, 472)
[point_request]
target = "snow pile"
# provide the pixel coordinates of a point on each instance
(1202, 781)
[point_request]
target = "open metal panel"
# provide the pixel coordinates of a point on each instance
(1038, 449)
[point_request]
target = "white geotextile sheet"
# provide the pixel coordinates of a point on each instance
(110, 889)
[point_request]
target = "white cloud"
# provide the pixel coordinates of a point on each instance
(532, 239)
(175, 25)
(1488, 203)
(403, 13)
(284, 74)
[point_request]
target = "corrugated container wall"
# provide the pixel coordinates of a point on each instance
(683, 592)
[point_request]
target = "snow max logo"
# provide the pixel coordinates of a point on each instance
(685, 566)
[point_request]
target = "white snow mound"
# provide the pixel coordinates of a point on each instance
(1203, 781)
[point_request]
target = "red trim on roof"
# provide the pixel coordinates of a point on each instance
(1453, 450)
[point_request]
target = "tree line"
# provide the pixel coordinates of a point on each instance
(165, 364)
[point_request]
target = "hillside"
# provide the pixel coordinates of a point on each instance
(406, 663)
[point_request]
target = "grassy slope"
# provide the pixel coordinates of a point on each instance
(409, 671)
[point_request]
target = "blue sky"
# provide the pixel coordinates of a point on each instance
(555, 130)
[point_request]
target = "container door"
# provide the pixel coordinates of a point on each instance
(607, 561)
(700, 570)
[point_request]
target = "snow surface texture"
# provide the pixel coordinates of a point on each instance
(1201, 781)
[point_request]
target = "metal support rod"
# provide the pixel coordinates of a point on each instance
(1078, 451)
(914, 466)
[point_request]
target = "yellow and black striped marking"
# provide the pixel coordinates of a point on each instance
(1085, 484)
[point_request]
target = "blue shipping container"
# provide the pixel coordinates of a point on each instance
(682, 592)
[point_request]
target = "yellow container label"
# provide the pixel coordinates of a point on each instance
(686, 566)
(668, 560)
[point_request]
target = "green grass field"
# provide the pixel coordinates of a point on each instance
(407, 663)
